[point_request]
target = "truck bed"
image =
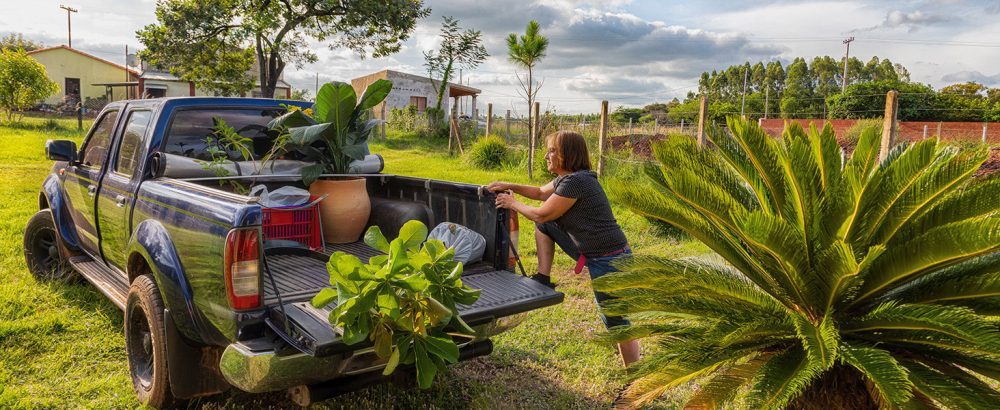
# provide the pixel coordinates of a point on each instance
(299, 277)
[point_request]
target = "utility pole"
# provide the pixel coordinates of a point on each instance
(316, 92)
(847, 57)
(69, 23)
(743, 104)
(767, 94)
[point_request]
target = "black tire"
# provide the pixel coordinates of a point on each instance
(43, 252)
(146, 344)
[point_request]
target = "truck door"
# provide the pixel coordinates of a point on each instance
(83, 180)
(117, 193)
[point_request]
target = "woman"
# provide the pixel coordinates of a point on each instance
(575, 215)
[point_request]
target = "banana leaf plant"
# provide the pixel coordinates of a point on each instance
(337, 131)
(848, 282)
(403, 301)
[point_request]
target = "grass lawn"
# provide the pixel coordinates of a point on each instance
(63, 345)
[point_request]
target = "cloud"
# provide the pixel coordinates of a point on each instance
(615, 87)
(912, 21)
(974, 76)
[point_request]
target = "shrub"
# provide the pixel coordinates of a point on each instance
(490, 152)
(854, 283)
(23, 83)
(850, 138)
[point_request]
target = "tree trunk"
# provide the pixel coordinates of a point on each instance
(841, 387)
(531, 133)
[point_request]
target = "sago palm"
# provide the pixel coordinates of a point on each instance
(846, 282)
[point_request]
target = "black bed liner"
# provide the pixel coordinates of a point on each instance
(298, 277)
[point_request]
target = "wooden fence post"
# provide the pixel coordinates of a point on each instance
(985, 127)
(507, 124)
(385, 122)
(939, 129)
(458, 136)
(601, 137)
(702, 116)
(889, 124)
(451, 134)
(489, 118)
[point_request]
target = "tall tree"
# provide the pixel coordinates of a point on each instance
(795, 103)
(14, 41)
(757, 77)
(526, 51)
(216, 43)
(458, 48)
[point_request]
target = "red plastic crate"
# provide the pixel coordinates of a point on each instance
(295, 223)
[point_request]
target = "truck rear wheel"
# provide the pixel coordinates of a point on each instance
(42, 251)
(146, 345)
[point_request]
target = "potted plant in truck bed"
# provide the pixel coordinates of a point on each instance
(335, 134)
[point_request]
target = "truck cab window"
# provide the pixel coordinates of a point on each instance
(132, 142)
(190, 129)
(95, 149)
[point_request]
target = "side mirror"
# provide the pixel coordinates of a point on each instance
(60, 150)
(157, 165)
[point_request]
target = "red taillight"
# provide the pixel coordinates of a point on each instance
(242, 267)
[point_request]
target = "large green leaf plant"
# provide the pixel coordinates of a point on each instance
(847, 282)
(403, 301)
(336, 132)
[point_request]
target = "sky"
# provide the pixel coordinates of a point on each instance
(631, 53)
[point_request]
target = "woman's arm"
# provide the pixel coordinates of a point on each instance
(528, 191)
(553, 207)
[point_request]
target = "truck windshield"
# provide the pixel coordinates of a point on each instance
(190, 131)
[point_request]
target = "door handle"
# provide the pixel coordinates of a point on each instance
(120, 201)
(91, 190)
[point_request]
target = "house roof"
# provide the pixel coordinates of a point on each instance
(65, 47)
(157, 75)
(454, 90)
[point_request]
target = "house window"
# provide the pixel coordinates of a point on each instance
(73, 89)
(419, 102)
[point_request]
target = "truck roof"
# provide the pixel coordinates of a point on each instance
(167, 103)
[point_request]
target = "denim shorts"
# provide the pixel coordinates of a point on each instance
(597, 266)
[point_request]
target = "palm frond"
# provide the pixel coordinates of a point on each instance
(976, 199)
(891, 180)
(783, 377)
(949, 171)
(936, 249)
(820, 341)
(879, 367)
(951, 386)
(952, 321)
(724, 384)
(690, 273)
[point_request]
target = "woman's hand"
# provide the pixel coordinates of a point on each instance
(505, 201)
(499, 186)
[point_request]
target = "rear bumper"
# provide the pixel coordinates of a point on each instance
(254, 366)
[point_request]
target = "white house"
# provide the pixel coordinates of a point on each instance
(416, 90)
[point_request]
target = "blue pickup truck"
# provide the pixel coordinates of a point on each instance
(159, 240)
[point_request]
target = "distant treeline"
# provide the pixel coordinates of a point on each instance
(814, 90)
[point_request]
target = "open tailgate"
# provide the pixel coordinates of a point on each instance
(503, 293)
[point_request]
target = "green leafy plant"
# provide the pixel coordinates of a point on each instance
(848, 283)
(489, 152)
(403, 301)
(23, 83)
(336, 132)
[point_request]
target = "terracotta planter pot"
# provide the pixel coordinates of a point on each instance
(345, 210)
